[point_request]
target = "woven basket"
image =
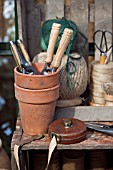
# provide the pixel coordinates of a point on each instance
(74, 86)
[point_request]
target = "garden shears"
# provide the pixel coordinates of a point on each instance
(107, 129)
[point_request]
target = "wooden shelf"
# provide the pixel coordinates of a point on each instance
(94, 140)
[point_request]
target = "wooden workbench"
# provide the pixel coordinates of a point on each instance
(94, 140)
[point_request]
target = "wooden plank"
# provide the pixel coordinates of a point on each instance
(94, 140)
(79, 14)
(54, 9)
(33, 27)
(86, 113)
(103, 20)
(21, 13)
(91, 21)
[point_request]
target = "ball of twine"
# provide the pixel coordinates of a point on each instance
(74, 85)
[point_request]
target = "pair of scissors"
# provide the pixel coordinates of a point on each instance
(22, 58)
(103, 44)
(107, 129)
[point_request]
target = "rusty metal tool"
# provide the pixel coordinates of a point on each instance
(107, 129)
(103, 47)
(52, 42)
(24, 66)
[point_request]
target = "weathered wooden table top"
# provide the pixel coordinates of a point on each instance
(94, 140)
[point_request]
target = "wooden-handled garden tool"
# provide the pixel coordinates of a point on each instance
(103, 44)
(51, 46)
(23, 50)
(24, 66)
(61, 49)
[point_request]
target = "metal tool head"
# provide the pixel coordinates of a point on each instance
(28, 68)
(104, 39)
(25, 67)
(107, 129)
(46, 69)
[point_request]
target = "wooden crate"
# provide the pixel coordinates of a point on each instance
(93, 141)
(89, 15)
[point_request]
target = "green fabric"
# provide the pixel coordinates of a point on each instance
(46, 30)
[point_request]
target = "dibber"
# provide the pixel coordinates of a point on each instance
(52, 42)
(62, 48)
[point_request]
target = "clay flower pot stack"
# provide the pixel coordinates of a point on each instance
(73, 160)
(96, 160)
(38, 160)
(36, 95)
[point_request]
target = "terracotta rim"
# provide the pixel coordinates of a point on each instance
(37, 96)
(33, 91)
(108, 97)
(38, 75)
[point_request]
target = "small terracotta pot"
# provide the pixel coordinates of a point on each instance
(36, 82)
(108, 97)
(94, 104)
(36, 108)
(108, 103)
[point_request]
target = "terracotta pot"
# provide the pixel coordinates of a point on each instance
(108, 97)
(36, 82)
(94, 104)
(36, 108)
(107, 103)
(36, 96)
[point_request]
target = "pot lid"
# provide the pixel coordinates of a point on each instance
(68, 130)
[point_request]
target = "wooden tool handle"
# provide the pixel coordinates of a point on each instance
(15, 54)
(62, 47)
(52, 41)
(102, 59)
(24, 52)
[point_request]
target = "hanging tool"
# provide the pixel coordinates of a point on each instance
(107, 129)
(24, 66)
(61, 49)
(103, 44)
(52, 42)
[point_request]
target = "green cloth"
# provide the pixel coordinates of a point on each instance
(46, 30)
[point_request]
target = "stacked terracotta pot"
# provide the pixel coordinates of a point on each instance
(97, 160)
(36, 95)
(38, 160)
(100, 74)
(108, 96)
(73, 160)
